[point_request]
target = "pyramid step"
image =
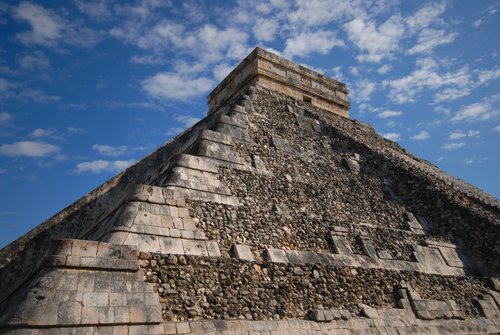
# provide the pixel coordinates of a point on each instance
(233, 127)
(196, 163)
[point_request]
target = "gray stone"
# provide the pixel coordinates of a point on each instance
(276, 255)
(243, 252)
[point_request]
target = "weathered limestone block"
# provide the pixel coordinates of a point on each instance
(243, 252)
(340, 245)
(276, 255)
(102, 290)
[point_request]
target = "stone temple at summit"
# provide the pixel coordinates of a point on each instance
(275, 214)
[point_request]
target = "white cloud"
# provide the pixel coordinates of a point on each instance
(497, 129)
(425, 77)
(36, 96)
(222, 70)
(363, 90)
(484, 76)
(5, 117)
(46, 27)
(305, 43)
(425, 16)
(388, 113)
(34, 61)
(109, 150)
(147, 59)
(456, 135)
(479, 111)
(265, 29)
(311, 13)
(392, 136)
(421, 136)
(97, 10)
(477, 23)
(453, 145)
(378, 42)
(384, 69)
(101, 165)
(75, 130)
(173, 86)
(430, 38)
(29, 149)
(39, 132)
(49, 29)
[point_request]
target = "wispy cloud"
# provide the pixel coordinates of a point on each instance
(479, 111)
(379, 42)
(108, 150)
(306, 43)
(101, 165)
(421, 136)
(49, 29)
(174, 86)
(453, 145)
(456, 135)
(5, 117)
(29, 149)
(388, 113)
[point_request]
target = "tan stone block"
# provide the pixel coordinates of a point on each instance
(195, 247)
(95, 299)
(117, 299)
(73, 261)
(121, 314)
(106, 315)
(84, 248)
(137, 314)
(90, 315)
(183, 328)
(167, 221)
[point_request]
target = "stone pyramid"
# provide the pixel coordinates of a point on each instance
(275, 214)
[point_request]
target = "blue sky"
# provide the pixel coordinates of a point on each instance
(89, 87)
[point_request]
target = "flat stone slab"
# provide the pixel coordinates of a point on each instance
(243, 252)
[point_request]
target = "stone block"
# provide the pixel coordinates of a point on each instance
(213, 249)
(352, 165)
(189, 224)
(199, 235)
(243, 252)
(153, 314)
(494, 283)
(69, 282)
(369, 312)
(90, 315)
(137, 314)
(187, 234)
(214, 136)
(195, 247)
(84, 248)
(85, 282)
(117, 299)
(69, 313)
(384, 254)
(183, 212)
(95, 299)
(171, 245)
(276, 255)
(106, 315)
(369, 248)
(183, 328)
(340, 245)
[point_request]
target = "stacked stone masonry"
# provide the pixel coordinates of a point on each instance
(271, 216)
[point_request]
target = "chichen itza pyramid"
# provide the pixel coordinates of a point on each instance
(275, 214)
